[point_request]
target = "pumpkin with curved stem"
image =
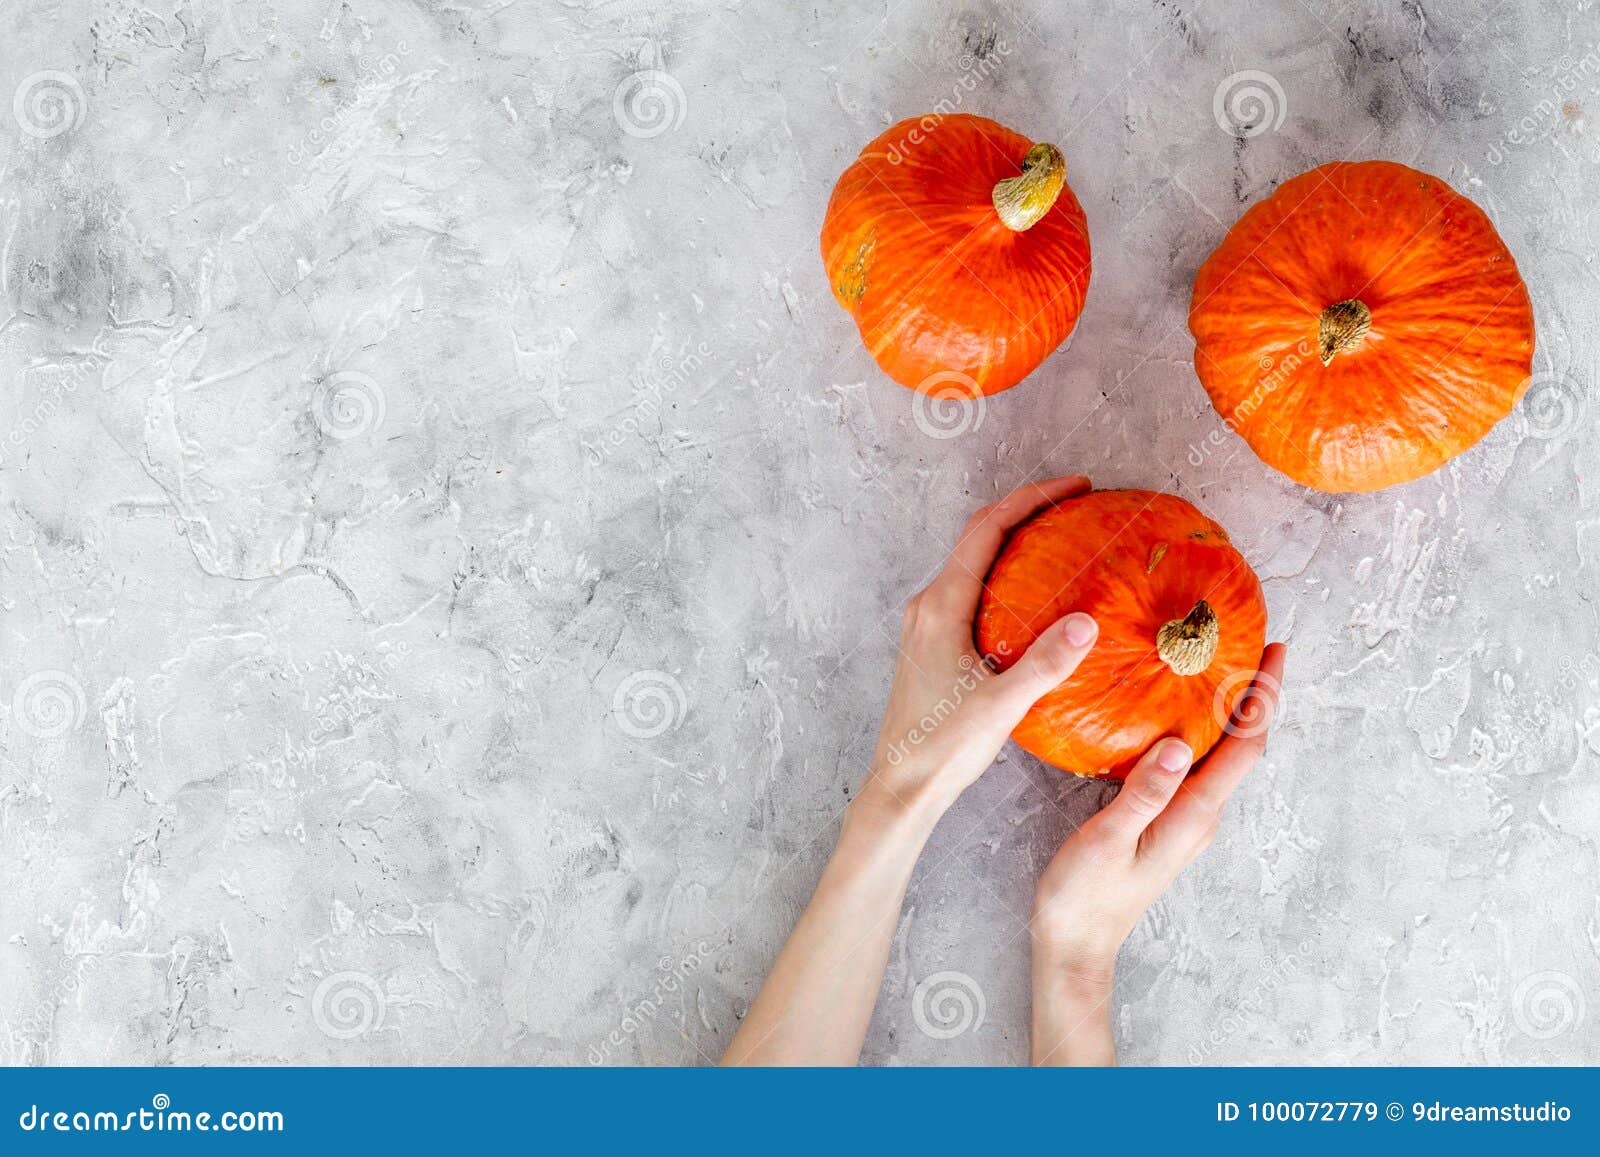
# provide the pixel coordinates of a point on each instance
(960, 251)
(1182, 626)
(1362, 326)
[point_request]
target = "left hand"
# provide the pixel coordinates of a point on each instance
(947, 719)
(949, 714)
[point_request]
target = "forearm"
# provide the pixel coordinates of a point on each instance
(1071, 1014)
(818, 999)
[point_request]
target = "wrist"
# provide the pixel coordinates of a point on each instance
(877, 817)
(1072, 1005)
(878, 846)
(1071, 1019)
(1075, 970)
(889, 801)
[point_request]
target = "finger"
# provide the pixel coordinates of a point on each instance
(1146, 792)
(1044, 666)
(1194, 814)
(960, 584)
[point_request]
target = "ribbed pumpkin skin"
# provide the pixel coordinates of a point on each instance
(1450, 348)
(1095, 554)
(948, 288)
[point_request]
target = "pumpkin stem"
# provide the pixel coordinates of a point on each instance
(1343, 325)
(1023, 200)
(1188, 645)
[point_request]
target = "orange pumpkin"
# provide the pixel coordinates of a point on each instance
(1362, 326)
(1182, 626)
(960, 251)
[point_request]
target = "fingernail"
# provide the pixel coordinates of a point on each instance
(1080, 629)
(1175, 756)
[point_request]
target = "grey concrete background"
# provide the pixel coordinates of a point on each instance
(453, 543)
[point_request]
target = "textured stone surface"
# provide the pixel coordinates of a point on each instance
(452, 544)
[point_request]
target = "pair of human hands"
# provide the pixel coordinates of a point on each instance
(1118, 862)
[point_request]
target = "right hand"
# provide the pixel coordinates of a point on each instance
(1120, 861)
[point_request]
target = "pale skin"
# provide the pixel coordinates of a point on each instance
(818, 999)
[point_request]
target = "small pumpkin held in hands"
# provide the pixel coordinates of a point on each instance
(960, 251)
(1182, 626)
(1362, 326)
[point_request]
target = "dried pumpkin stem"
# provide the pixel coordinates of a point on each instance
(1344, 324)
(1023, 200)
(1188, 645)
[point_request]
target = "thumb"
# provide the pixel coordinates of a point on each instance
(1048, 663)
(1150, 786)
